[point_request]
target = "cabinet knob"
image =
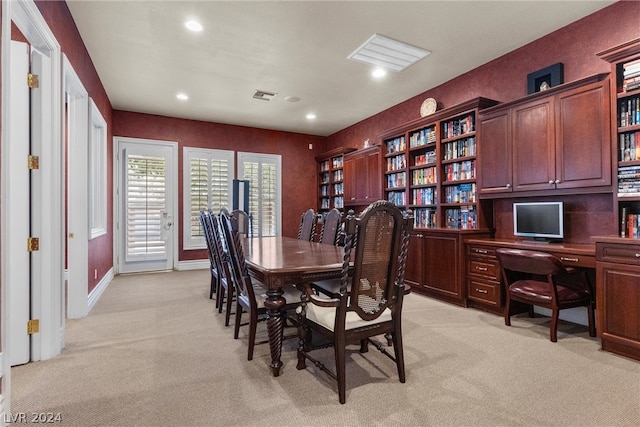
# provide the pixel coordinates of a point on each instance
(637, 255)
(508, 185)
(551, 182)
(557, 181)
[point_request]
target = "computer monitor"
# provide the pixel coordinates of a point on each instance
(542, 221)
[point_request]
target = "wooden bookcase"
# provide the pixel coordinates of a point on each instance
(331, 179)
(625, 118)
(430, 167)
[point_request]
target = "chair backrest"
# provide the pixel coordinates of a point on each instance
(244, 221)
(208, 223)
(331, 227)
(307, 225)
(531, 262)
(380, 239)
(241, 279)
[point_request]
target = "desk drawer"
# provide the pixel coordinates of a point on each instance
(485, 291)
(571, 260)
(481, 251)
(485, 268)
(619, 253)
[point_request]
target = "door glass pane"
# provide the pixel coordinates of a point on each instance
(146, 204)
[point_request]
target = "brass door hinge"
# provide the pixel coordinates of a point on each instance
(33, 81)
(33, 162)
(33, 326)
(33, 244)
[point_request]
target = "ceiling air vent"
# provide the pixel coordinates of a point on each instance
(388, 53)
(263, 95)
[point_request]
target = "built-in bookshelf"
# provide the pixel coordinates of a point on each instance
(625, 65)
(431, 167)
(331, 179)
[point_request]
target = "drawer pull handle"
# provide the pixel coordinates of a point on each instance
(569, 259)
(482, 251)
(482, 291)
(481, 268)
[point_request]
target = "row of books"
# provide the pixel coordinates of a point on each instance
(395, 145)
(631, 75)
(628, 180)
(459, 126)
(463, 219)
(398, 198)
(462, 193)
(397, 180)
(630, 226)
(424, 196)
(324, 178)
(424, 218)
(424, 176)
(338, 202)
(397, 162)
(461, 148)
(424, 159)
(422, 137)
(630, 146)
(324, 166)
(629, 112)
(338, 188)
(337, 162)
(460, 171)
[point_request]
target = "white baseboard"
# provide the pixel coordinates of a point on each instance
(198, 264)
(97, 292)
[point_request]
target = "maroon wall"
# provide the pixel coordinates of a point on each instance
(298, 162)
(58, 17)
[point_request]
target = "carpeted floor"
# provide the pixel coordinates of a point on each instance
(154, 353)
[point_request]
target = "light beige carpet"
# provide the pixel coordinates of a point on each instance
(154, 353)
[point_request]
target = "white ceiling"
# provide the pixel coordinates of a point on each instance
(144, 56)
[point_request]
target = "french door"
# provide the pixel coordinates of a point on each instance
(146, 202)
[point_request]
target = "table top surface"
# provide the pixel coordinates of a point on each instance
(283, 255)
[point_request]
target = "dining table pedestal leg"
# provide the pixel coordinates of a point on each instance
(275, 325)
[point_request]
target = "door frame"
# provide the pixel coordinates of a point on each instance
(172, 185)
(77, 136)
(47, 297)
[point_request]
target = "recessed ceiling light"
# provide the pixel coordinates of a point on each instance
(193, 26)
(378, 72)
(182, 96)
(311, 116)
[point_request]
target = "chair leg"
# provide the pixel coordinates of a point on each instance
(236, 326)
(253, 325)
(364, 345)
(213, 287)
(591, 320)
(339, 351)
(220, 297)
(227, 315)
(507, 312)
(554, 324)
(396, 338)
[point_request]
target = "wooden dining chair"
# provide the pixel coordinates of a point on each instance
(370, 299)
(205, 222)
(539, 278)
(225, 292)
(307, 225)
(331, 227)
(250, 293)
(244, 222)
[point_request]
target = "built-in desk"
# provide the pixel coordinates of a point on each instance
(484, 290)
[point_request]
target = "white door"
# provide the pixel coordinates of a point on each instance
(147, 202)
(18, 259)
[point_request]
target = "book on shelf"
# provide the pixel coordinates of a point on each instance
(633, 226)
(630, 146)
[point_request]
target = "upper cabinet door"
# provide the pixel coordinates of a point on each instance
(534, 145)
(494, 154)
(583, 148)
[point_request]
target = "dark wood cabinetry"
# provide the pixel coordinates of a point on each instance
(331, 179)
(548, 141)
(618, 295)
(363, 176)
(483, 278)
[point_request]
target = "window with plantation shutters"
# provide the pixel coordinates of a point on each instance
(263, 171)
(208, 178)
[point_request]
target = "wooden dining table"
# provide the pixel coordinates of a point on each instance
(281, 261)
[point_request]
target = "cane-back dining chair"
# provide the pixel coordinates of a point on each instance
(244, 221)
(307, 225)
(331, 226)
(370, 299)
(250, 294)
(540, 279)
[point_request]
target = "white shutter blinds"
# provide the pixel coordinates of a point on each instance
(146, 202)
(263, 173)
